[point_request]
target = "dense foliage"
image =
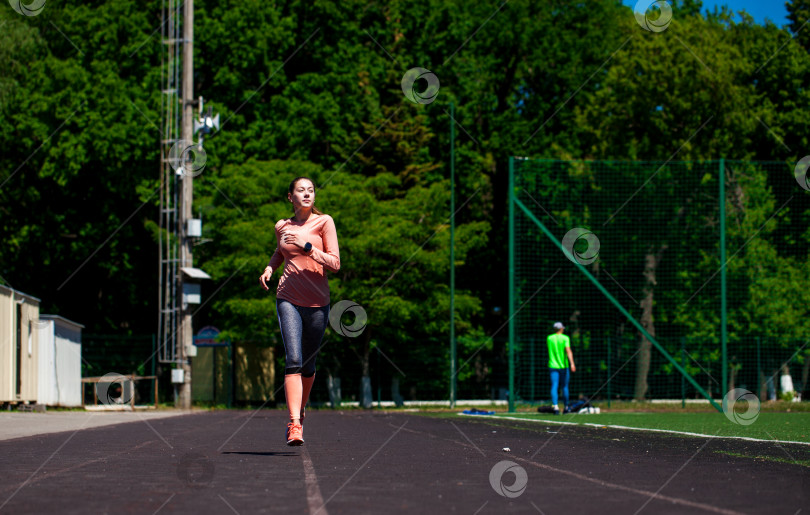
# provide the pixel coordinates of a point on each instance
(313, 88)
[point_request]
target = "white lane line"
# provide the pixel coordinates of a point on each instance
(361, 467)
(639, 491)
(746, 438)
(164, 504)
(672, 477)
(602, 483)
(314, 497)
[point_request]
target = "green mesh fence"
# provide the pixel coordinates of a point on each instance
(650, 234)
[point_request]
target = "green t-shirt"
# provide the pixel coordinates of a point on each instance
(557, 357)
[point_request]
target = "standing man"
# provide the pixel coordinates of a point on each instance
(559, 356)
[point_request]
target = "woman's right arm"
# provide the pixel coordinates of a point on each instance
(275, 261)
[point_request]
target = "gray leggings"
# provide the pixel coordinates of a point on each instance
(302, 331)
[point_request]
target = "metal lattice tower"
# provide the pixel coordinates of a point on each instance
(170, 194)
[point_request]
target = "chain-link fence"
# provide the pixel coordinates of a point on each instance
(403, 373)
(660, 272)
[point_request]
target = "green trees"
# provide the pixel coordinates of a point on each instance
(309, 88)
(79, 137)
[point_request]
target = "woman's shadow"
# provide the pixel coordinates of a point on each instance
(254, 453)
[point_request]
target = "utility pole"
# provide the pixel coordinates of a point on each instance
(183, 398)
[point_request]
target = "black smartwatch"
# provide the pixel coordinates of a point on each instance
(307, 247)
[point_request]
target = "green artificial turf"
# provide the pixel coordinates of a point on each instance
(793, 427)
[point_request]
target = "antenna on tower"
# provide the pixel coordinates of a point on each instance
(208, 123)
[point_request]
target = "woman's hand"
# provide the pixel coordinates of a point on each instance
(263, 280)
(291, 238)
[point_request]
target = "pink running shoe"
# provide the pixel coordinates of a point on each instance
(295, 434)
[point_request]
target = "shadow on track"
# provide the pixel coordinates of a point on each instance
(254, 453)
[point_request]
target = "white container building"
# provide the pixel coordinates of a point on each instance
(40, 356)
(19, 317)
(60, 362)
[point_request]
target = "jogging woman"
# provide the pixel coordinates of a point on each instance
(308, 245)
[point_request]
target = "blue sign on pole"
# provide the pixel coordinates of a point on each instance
(207, 337)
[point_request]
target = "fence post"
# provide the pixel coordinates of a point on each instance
(153, 388)
(759, 372)
(229, 398)
(608, 369)
(512, 322)
(532, 369)
(683, 379)
(723, 328)
(379, 383)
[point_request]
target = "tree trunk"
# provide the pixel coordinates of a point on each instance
(763, 386)
(365, 348)
(732, 373)
(651, 262)
(366, 399)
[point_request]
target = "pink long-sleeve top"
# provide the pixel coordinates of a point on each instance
(304, 280)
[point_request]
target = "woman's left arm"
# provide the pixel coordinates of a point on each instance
(329, 257)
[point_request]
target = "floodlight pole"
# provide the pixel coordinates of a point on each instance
(723, 300)
(183, 397)
(452, 259)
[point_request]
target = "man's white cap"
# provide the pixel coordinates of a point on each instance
(558, 326)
